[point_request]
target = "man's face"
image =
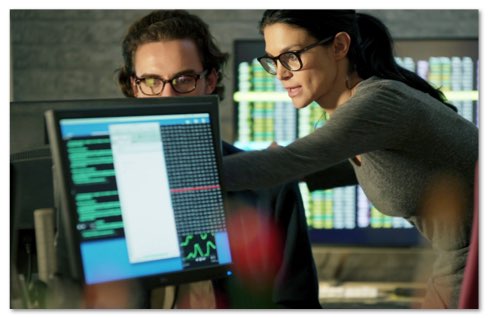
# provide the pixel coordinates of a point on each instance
(168, 59)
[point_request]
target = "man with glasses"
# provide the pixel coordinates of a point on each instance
(172, 53)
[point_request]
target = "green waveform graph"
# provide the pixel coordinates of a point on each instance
(199, 248)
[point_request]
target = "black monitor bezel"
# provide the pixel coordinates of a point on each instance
(115, 108)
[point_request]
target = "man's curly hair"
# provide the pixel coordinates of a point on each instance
(164, 25)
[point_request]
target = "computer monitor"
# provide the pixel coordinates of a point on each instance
(31, 188)
(31, 185)
(140, 190)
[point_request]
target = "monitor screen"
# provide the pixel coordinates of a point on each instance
(344, 216)
(140, 190)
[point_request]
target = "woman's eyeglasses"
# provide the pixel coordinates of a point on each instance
(290, 60)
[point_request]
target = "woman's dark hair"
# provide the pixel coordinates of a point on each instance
(371, 49)
(171, 25)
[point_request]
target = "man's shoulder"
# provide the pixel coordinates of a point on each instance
(229, 149)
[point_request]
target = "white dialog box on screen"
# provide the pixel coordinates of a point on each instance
(144, 193)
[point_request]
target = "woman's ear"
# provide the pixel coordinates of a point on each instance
(211, 81)
(341, 44)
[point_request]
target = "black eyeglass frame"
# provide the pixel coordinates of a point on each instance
(195, 77)
(296, 53)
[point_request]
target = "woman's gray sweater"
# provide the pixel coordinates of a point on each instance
(417, 161)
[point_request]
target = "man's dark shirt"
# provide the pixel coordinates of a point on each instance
(289, 283)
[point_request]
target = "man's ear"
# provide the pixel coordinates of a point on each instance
(133, 85)
(211, 81)
(342, 42)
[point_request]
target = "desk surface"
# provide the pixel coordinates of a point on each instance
(372, 295)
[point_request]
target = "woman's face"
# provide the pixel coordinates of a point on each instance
(167, 59)
(314, 81)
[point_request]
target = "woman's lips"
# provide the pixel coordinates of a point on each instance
(293, 91)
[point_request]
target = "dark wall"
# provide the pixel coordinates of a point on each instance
(73, 54)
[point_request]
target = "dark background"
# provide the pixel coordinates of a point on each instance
(73, 54)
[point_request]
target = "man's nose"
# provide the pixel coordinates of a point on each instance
(168, 91)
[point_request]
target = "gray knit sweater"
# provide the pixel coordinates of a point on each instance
(417, 161)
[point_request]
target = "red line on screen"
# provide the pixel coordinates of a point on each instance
(202, 188)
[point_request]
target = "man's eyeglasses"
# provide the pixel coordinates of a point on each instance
(184, 83)
(290, 60)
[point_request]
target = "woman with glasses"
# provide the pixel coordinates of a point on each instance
(412, 154)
